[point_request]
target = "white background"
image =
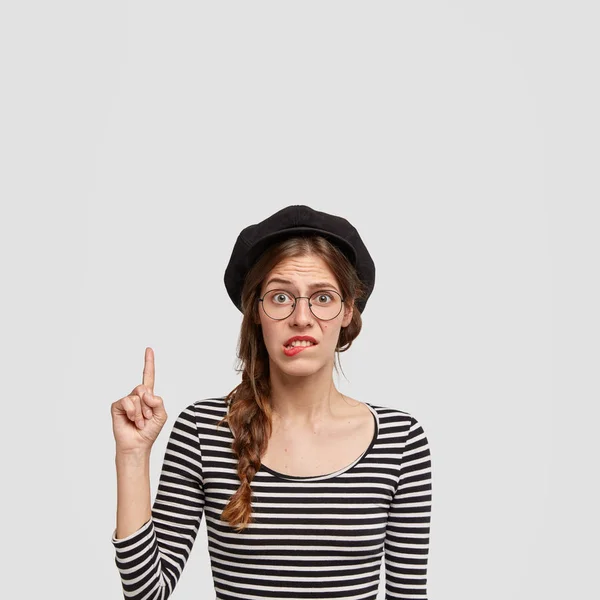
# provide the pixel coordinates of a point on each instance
(461, 139)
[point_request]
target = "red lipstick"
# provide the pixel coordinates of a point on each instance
(294, 351)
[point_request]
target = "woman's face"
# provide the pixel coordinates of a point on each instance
(298, 277)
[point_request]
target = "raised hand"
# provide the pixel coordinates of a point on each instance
(139, 417)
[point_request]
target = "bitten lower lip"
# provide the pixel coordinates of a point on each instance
(293, 351)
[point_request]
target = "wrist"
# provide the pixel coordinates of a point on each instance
(132, 456)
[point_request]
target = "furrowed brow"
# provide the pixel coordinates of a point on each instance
(312, 286)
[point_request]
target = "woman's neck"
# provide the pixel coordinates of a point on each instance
(306, 400)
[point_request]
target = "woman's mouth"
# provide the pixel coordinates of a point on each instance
(293, 350)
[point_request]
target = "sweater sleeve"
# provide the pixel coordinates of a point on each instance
(407, 534)
(150, 560)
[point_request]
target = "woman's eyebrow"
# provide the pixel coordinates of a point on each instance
(318, 284)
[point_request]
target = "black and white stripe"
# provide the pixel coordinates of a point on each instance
(313, 537)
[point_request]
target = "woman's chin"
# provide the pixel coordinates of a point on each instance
(296, 368)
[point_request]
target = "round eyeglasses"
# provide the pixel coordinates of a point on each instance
(324, 304)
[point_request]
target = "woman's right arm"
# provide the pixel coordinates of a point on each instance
(151, 559)
(133, 491)
(137, 420)
(152, 544)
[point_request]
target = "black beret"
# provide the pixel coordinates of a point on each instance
(297, 220)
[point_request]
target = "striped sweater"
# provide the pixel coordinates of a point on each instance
(312, 537)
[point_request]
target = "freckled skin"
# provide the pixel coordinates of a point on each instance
(302, 271)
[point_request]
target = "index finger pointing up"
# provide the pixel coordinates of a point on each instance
(148, 377)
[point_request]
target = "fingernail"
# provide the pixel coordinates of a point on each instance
(140, 424)
(148, 413)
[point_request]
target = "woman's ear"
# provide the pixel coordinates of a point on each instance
(348, 312)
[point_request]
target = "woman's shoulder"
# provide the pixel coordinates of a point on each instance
(388, 411)
(392, 418)
(210, 407)
(206, 410)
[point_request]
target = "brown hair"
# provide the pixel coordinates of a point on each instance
(249, 402)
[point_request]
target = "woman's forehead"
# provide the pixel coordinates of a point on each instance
(302, 270)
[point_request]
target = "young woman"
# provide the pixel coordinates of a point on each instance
(304, 489)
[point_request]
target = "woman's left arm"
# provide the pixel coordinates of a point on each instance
(407, 533)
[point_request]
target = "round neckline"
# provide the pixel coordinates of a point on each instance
(357, 460)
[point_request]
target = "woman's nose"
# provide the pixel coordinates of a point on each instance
(302, 312)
